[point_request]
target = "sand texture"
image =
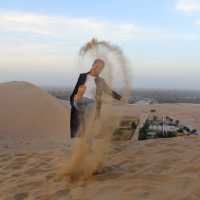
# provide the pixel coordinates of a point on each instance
(34, 148)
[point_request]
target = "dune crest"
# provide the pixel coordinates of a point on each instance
(27, 110)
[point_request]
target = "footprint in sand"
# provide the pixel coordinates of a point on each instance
(62, 193)
(21, 196)
(50, 176)
(5, 157)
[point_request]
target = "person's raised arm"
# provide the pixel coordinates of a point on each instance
(109, 91)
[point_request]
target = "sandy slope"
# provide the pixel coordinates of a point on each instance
(156, 169)
(26, 111)
(149, 170)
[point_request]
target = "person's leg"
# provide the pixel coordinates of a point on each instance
(74, 122)
(89, 120)
(84, 117)
(82, 127)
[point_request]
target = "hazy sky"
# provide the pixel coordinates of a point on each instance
(40, 39)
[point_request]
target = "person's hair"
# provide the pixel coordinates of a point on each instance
(98, 60)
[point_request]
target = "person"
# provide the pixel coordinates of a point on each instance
(87, 94)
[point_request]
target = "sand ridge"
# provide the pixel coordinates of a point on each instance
(27, 109)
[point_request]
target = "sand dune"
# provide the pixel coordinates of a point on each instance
(27, 111)
(160, 169)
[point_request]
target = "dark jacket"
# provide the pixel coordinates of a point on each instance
(101, 87)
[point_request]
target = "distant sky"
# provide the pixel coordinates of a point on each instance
(40, 39)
